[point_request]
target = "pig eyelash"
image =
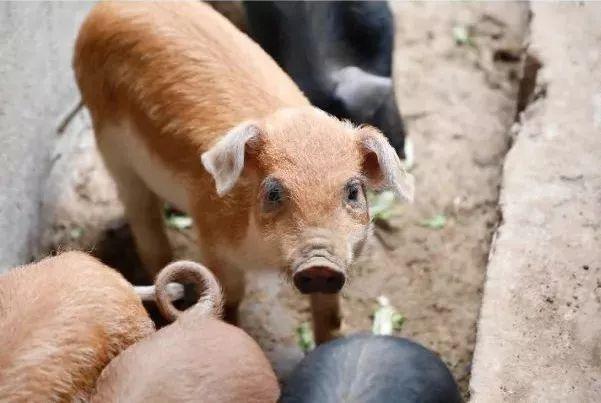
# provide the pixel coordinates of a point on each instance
(360, 179)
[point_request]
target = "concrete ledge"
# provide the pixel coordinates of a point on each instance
(539, 334)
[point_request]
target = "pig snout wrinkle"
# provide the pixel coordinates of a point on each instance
(316, 246)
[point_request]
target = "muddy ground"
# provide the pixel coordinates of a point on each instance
(457, 69)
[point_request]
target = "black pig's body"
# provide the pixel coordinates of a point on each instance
(371, 369)
(339, 54)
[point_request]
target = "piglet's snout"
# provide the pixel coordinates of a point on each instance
(318, 274)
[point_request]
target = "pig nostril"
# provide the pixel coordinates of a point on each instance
(305, 280)
(319, 279)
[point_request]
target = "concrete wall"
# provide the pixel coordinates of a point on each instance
(36, 92)
(539, 334)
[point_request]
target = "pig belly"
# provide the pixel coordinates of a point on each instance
(123, 144)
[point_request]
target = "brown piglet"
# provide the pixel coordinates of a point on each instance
(196, 358)
(187, 109)
(61, 321)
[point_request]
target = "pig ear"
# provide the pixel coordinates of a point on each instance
(382, 166)
(225, 160)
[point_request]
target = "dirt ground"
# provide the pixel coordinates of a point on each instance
(457, 69)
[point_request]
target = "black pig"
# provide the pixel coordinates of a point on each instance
(338, 53)
(370, 369)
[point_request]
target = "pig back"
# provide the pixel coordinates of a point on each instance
(193, 359)
(61, 321)
(179, 69)
(371, 369)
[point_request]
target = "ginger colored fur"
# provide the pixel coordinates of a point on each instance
(193, 359)
(167, 83)
(179, 75)
(61, 321)
(196, 358)
(180, 72)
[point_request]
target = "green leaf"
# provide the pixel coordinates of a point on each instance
(461, 35)
(305, 338)
(176, 219)
(436, 222)
(76, 233)
(397, 321)
(179, 222)
(381, 205)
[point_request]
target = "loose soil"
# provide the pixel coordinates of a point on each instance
(459, 100)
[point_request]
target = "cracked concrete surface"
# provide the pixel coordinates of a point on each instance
(539, 335)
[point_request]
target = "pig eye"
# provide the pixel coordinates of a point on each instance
(273, 194)
(353, 192)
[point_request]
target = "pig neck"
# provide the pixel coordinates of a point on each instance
(228, 229)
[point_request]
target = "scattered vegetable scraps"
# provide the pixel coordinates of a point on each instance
(386, 318)
(76, 233)
(177, 220)
(381, 205)
(436, 222)
(305, 337)
(461, 35)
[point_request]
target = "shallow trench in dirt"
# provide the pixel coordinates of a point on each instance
(459, 100)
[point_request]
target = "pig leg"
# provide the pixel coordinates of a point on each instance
(327, 318)
(144, 213)
(233, 283)
(233, 286)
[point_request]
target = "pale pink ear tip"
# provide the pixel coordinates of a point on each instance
(222, 187)
(405, 189)
(223, 190)
(204, 159)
